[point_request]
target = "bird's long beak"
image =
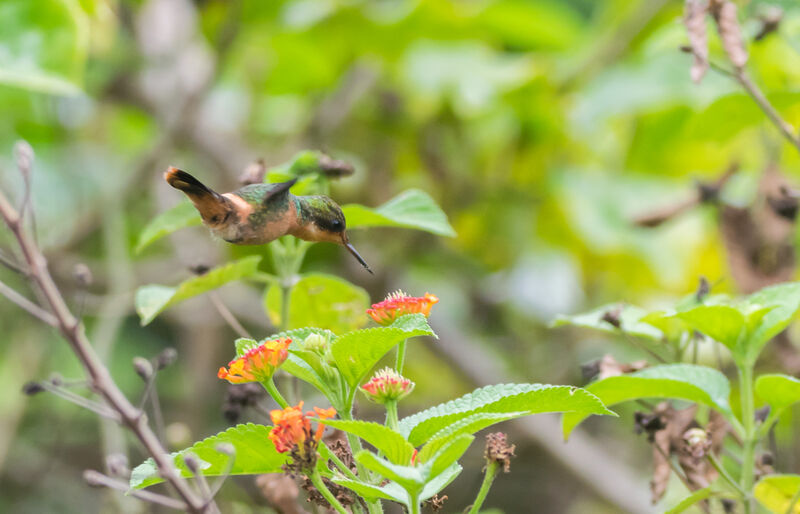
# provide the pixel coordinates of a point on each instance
(352, 250)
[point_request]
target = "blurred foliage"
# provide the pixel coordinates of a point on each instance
(541, 128)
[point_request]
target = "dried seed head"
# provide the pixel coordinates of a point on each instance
(724, 13)
(697, 442)
(695, 21)
(498, 450)
(32, 388)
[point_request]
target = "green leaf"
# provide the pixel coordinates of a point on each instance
(323, 301)
(255, 454)
(410, 209)
(153, 299)
(244, 345)
(784, 302)
(468, 425)
(629, 317)
(372, 492)
(386, 440)
(44, 45)
(440, 481)
(722, 323)
(182, 215)
(689, 382)
(409, 477)
(500, 399)
(299, 368)
(776, 492)
(779, 391)
(448, 454)
(357, 352)
(697, 496)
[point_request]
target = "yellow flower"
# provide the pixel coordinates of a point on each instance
(258, 364)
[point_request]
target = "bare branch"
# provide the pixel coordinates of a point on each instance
(32, 309)
(228, 316)
(99, 376)
(97, 479)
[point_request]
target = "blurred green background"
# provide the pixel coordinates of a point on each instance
(542, 128)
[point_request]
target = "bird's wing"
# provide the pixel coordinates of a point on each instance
(256, 194)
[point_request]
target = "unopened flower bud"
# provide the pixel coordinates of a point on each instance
(166, 358)
(117, 465)
(143, 368)
(226, 448)
(192, 462)
(315, 343)
(387, 385)
(82, 275)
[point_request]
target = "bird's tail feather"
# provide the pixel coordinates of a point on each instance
(208, 202)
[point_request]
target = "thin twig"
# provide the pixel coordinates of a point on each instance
(13, 266)
(98, 479)
(99, 377)
(758, 97)
(32, 309)
(227, 315)
(97, 408)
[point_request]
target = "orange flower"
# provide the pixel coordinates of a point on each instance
(399, 304)
(258, 364)
(387, 385)
(293, 428)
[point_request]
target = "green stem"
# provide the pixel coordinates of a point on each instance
(276, 395)
(488, 478)
(401, 356)
(415, 504)
(327, 454)
(724, 474)
(316, 479)
(391, 415)
(749, 440)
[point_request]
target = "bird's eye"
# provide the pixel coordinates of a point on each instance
(215, 219)
(336, 223)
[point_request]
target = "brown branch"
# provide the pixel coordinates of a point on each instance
(99, 376)
(32, 309)
(758, 97)
(97, 479)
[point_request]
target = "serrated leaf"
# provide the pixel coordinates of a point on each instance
(357, 352)
(255, 454)
(440, 481)
(784, 302)
(689, 382)
(409, 477)
(776, 492)
(500, 399)
(371, 492)
(297, 335)
(244, 345)
(383, 438)
(448, 454)
(181, 216)
(468, 425)
(323, 301)
(629, 317)
(779, 391)
(151, 300)
(410, 209)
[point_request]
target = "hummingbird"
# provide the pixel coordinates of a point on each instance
(260, 213)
